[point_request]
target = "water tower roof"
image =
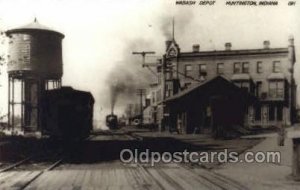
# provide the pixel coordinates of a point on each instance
(34, 26)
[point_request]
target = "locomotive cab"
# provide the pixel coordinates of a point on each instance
(112, 121)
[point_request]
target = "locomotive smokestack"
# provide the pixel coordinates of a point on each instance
(112, 112)
(115, 90)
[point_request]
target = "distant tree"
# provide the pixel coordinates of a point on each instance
(3, 53)
(2, 50)
(3, 58)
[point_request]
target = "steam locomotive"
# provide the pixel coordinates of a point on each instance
(67, 113)
(112, 121)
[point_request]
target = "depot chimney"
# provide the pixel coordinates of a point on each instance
(196, 48)
(228, 46)
(266, 44)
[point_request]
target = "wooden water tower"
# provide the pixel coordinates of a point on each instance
(34, 65)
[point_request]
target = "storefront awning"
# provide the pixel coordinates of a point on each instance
(276, 76)
(240, 76)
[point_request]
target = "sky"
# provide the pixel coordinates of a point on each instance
(101, 35)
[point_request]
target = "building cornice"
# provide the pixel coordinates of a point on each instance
(235, 53)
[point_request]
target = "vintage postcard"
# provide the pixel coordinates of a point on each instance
(149, 94)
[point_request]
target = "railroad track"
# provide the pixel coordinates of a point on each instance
(115, 135)
(219, 180)
(208, 179)
(51, 167)
(35, 175)
(14, 165)
(30, 164)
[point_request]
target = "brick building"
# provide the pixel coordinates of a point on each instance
(266, 74)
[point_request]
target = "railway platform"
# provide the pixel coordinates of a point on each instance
(95, 164)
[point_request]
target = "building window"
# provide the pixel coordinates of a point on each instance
(271, 113)
(153, 98)
(237, 67)
(258, 88)
(169, 75)
(168, 90)
(158, 95)
(276, 89)
(244, 85)
(187, 84)
(202, 72)
(279, 113)
(245, 68)
(188, 70)
(159, 78)
(257, 113)
(259, 68)
(276, 66)
(220, 68)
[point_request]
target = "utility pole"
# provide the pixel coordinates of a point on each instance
(143, 53)
(148, 65)
(141, 92)
(292, 60)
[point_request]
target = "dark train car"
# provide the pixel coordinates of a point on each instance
(112, 121)
(67, 113)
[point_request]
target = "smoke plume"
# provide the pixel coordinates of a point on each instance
(128, 75)
(123, 85)
(182, 20)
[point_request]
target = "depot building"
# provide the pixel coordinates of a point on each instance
(207, 90)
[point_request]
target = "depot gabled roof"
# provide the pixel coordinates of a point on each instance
(34, 26)
(219, 82)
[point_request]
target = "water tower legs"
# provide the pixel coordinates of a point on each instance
(17, 104)
(24, 101)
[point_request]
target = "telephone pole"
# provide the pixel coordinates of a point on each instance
(143, 53)
(141, 92)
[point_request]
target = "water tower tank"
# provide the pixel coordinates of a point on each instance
(35, 50)
(34, 66)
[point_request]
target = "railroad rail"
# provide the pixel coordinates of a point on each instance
(165, 176)
(115, 134)
(14, 165)
(31, 163)
(217, 179)
(209, 179)
(51, 167)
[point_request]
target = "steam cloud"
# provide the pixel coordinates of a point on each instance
(182, 21)
(128, 75)
(123, 85)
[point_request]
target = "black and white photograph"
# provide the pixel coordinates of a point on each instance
(149, 94)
